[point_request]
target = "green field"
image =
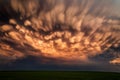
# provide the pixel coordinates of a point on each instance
(58, 75)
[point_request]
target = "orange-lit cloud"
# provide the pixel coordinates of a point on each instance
(115, 61)
(60, 29)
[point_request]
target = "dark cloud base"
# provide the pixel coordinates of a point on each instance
(30, 64)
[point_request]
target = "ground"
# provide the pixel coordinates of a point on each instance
(58, 75)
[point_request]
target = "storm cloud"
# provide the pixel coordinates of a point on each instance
(69, 31)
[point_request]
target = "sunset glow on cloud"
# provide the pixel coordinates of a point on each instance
(68, 30)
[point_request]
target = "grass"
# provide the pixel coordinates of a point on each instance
(58, 75)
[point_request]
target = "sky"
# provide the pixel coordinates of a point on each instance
(80, 35)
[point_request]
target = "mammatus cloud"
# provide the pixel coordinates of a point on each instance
(69, 30)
